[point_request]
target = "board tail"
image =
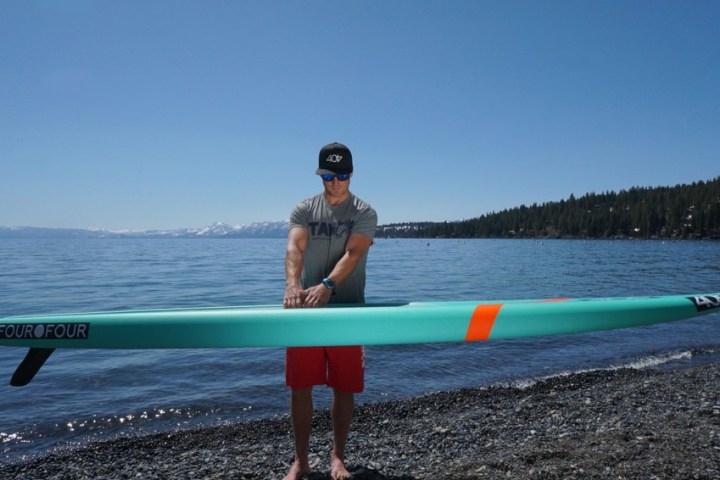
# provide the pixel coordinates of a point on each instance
(30, 365)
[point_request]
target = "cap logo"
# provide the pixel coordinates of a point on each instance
(334, 158)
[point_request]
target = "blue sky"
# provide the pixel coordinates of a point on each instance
(165, 114)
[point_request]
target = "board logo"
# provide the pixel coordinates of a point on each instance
(44, 331)
(705, 302)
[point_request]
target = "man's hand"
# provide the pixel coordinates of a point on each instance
(317, 296)
(294, 297)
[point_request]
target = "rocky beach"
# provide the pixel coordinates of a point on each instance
(620, 424)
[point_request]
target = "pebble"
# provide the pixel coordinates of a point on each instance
(608, 424)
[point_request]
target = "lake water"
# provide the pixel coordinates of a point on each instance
(82, 396)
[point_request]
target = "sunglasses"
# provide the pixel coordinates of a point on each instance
(329, 177)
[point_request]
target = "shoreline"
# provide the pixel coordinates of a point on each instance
(623, 423)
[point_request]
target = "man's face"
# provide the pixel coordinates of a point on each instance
(335, 187)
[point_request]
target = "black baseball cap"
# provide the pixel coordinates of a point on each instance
(334, 158)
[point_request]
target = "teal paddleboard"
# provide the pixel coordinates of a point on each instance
(368, 324)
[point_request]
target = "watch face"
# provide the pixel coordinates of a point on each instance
(329, 283)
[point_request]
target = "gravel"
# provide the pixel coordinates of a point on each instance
(621, 424)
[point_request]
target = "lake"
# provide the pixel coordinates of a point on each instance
(81, 396)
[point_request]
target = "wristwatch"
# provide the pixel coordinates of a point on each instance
(329, 283)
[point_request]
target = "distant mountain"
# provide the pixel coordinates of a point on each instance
(40, 232)
(254, 230)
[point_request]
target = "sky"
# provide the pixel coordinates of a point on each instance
(147, 114)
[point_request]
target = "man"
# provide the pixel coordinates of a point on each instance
(330, 235)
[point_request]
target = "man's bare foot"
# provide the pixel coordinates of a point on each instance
(297, 470)
(338, 470)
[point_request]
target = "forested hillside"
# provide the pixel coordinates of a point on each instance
(682, 211)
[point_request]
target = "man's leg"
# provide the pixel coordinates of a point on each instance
(342, 412)
(301, 410)
(346, 377)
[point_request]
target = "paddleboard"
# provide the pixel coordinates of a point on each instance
(367, 324)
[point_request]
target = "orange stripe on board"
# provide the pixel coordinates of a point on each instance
(482, 321)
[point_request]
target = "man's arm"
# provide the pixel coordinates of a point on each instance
(356, 247)
(294, 257)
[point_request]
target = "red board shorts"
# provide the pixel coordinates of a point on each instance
(341, 368)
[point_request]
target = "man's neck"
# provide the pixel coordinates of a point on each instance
(334, 201)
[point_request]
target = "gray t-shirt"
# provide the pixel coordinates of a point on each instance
(328, 230)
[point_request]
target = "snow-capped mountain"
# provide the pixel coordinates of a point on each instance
(254, 230)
